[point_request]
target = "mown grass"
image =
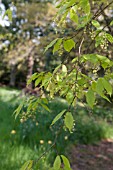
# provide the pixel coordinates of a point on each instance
(20, 142)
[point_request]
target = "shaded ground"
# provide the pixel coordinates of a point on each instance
(93, 157)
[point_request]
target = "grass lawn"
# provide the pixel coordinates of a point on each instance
(20, 142)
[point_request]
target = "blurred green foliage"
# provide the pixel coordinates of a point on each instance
(21, 141)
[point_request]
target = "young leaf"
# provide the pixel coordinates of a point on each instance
(69, 121)
(19, 108)
(33, 77)
(85, 6)
(51, 44)
(90, 98)
(56, 69)
(109, 37)
(93, 85)
(66, 162)
(38, 80)
(9, 14)
(64, 68)
(96, 23)
(99, 87)
(45, 107)
(57, 45)
(73, 16)
(57, 163)
(68, 45)
(107, 86)
(58, 117)
(111, 23)
(28, 165)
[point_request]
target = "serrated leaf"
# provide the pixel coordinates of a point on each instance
(66, 162)
(28, 165)
(57, 163)
(90, 98)
(107, 86)
(96, 23)
(68, 45)
(69, 121)
(57, 45)
(51, 44)
(58, 117)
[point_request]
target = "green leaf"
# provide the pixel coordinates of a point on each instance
(107, 86)
(71, 3)
(85, 6)
(28, 165)
(57, 45)
(9, 14)
(66, 162)
(45, 107)
(73, 16)
(109, 37)
(56, 69)
(105, 62)
(93, 85)
(58, 117)
(111, 23)
(90, 98)
(46, 79)
(68, 45)
(57, 163)
(74, 60)
(90, 57)
(64, 68)
(99, 87)
(69, 121)
(19, 108)
(51, 44)
(33, 77)
(45, 100)
(96, 23)
(38, 80)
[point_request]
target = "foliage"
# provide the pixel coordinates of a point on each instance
(90, 73)
(15, 135)
(77, 82)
